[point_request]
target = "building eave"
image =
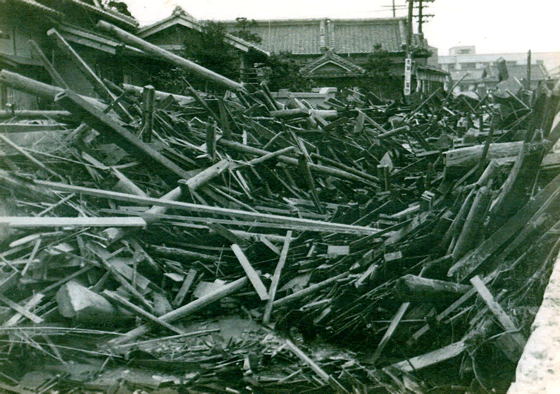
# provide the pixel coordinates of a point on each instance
(181, 20)
(108, 14)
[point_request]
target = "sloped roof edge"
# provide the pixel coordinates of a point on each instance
(183, 20)
(331, 57)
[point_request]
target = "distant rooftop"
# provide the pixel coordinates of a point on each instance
(316, 36)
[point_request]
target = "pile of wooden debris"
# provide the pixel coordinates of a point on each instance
(228, 243)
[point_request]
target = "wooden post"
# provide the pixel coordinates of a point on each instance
(411, 287)
(148, 105)
(473, 223)
(211, 139)
(528, 82)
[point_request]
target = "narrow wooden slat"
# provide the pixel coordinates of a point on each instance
(113, 296)
(184, 288)
(251, 273)
(310, 225)
(18, 308)
(390, 331)
(276, 278)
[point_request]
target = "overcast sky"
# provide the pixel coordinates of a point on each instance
(492, 25)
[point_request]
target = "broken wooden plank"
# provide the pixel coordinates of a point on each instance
(477, 257)
(114, 296)
(251, 273)
(30, 304)
(122, 137)
(309, 290)
(225, 233)
(315, 368)
(504, 319)
(411, 287)
(293, 161)
(18, 308)
(185, 287)
(310, 225)
(185, 310)
(29, 156)
(431, 358)
(276, 278)
(390, 331)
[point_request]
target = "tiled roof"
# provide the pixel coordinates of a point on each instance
(361, 37)
(314, 36)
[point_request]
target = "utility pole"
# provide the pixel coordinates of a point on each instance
(528, 87)
(408, 60)
(394, 10)
(420, 12)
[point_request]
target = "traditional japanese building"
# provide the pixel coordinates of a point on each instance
(75, 20)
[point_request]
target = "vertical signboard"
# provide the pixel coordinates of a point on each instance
(407, 75)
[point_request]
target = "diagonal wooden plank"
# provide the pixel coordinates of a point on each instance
(276, 278)
(18, 308)
(251, 273)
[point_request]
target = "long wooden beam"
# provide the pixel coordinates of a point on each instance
(293, 161)
(39, 89)
(36, 222)
(160, 53)
(122, 137)
(464, 268)
(185, 310)
(311, 225)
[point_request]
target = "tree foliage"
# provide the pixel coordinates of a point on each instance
(211, 51)
(243, 31)
(283, 73)
(379, 78)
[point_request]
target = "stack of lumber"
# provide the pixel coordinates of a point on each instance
(228, 243)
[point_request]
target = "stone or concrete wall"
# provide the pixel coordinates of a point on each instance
(538, 370)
